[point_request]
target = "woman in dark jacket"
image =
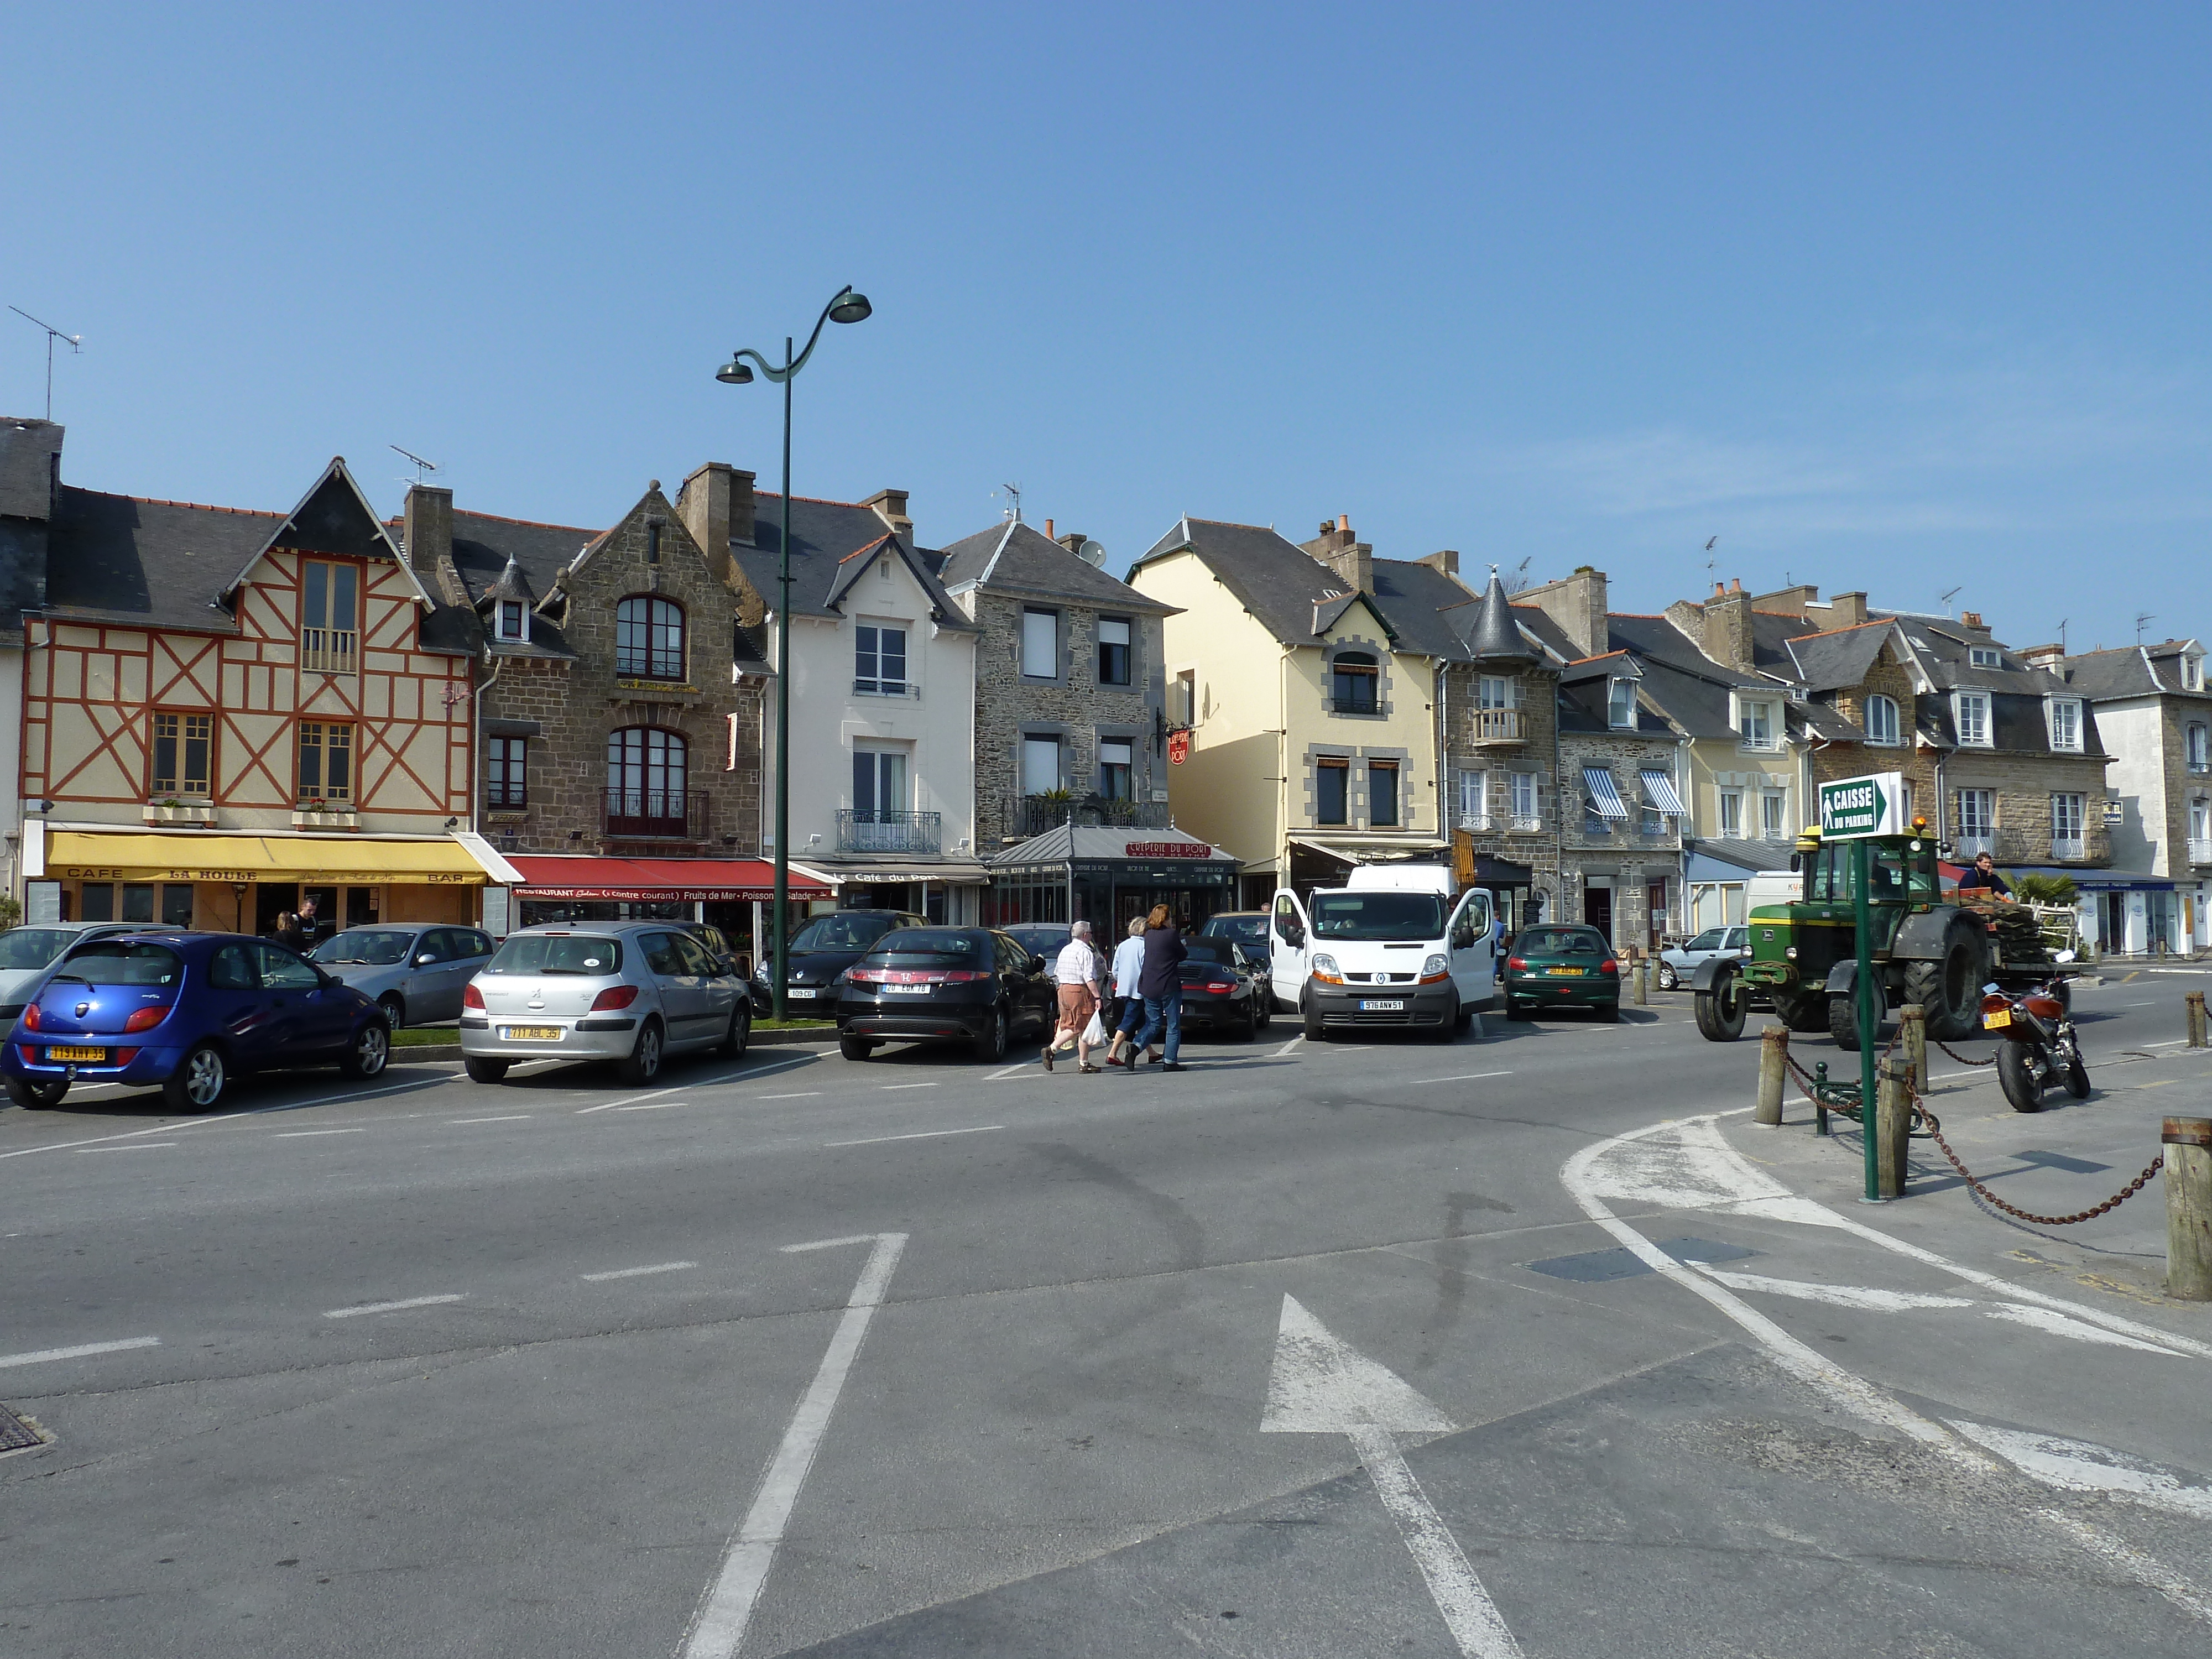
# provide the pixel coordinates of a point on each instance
(1161, 986)
(290, 934)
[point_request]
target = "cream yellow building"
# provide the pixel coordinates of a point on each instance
(1306, 696)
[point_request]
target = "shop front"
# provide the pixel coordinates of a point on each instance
(1510, 884)
(230, 883)
(1106, 877)
(1325, 859)
(732, 893)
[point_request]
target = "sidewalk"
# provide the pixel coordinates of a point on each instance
(2068, 1157)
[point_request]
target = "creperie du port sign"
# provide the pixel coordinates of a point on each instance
(1871, 806)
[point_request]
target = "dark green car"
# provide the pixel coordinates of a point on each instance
(1561, 967)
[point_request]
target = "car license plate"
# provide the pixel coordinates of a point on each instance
(799, 991)
(1571, 973)
(531, 1033)
(1998, 1020)
(1392, 1007)
(79, 1056)
(908, 990)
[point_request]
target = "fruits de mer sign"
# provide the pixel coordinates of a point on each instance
(1872, 806)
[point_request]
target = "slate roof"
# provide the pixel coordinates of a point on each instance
(1492, 634)
(1430, 611)
(2132, 670)
(1013, 558)
(1840, 657)
(1064, 841)
(1271, 576)
(823, 534)
(119, 558)
(1583, 710)
(484, 544)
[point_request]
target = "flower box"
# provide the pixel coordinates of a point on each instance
(200, 813)
(327, 818)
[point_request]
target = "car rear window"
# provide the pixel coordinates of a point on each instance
(558, 953)
(1249, 930)
(1202, 949)
(378, 947)
(115, 962)
(1560, 942)
(841, 932)
(34, 947)
(932, 946)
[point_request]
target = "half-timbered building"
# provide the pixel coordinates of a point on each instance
(227, 712)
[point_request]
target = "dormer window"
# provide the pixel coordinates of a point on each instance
(1620, 704)
(2065, 715)
(1985, 656)
(2192, 673)
(1971, 709)
(513, 620)
(1754, 722)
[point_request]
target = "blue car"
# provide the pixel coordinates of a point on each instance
(187, 1011)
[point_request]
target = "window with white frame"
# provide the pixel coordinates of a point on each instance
(2200, 831)
(1754, 722)
(1113, 651)
(879, 783)
(1986, 656)
(1527, 813)
(2192, 673)
(1116, 768)
(1881, 719)
(1040, 645)
(1474, 800)
(1977, 814)
(1040, 773)
(1731, 813)
(1621, 703)
(1495, 691)
(2066, 723)
(2198, 747)
(1972, 711)
(1774, 815)
(2068, 816)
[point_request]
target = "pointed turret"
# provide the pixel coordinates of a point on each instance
(1496, 637)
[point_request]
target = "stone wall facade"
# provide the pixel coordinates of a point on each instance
(1537, 700)
(1633, 861)
(1072, 706)
(567, 709)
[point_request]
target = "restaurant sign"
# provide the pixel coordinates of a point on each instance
(1166, 850)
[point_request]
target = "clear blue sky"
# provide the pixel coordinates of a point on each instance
(1899, 298)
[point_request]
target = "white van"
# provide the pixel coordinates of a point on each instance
(1390, 948)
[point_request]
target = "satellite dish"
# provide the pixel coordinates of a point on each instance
(1092, 553)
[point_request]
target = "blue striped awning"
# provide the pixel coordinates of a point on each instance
(1605, 798)
(1659, 790)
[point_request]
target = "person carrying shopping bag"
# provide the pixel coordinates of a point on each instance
(1079, 970)
(1161, 981)
(1128, 969)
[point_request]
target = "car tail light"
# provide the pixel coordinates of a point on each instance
(962, 976)
(30, 1054)
(1608, 966)
(471, 997)
(860, 975)
(1517, 964)
(145, 1019)
(124, 1057)
(615, 996)
(30, 1020)
(1221, 988)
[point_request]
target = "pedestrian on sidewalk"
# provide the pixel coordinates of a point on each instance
(1161, 983)
(1129, 1011)
(1080, 971)
(288, 933)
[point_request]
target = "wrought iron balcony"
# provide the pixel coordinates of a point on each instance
(1498, 726)
(2069, 847)
(1358, 702)
(862, 830)
(656, 814)
(1032, 815)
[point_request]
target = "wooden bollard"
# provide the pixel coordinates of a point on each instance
(1639, 976)
(2189, 1205)
(1773, 1074)
(1891, 1123)
(2195, 1002)
(1912, 1031)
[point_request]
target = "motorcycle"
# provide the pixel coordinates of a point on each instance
(2040, 1047)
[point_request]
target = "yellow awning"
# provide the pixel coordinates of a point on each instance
(330, 860)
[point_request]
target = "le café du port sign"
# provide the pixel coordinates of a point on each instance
(1871, 806)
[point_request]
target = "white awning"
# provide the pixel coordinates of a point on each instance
(1659, 790)
(1604, 798)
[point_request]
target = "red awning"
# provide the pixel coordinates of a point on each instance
(567, 877)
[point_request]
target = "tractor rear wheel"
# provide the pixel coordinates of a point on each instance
(1844, 1021)
(1948, 989)
(1802, 1011)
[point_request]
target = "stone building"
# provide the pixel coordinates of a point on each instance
(1071, 720)
(2155, 715)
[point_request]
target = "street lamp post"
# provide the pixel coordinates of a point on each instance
(847, 307)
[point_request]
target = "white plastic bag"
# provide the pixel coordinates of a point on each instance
(1095, 1032)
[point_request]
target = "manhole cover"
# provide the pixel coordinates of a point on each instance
(15, 1434)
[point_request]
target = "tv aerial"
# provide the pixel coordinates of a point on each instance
(1013, 492)
(423, 469)
(2144, 619)
(1944, 599)
(76, 346)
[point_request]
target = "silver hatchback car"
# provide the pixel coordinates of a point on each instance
(632, 992)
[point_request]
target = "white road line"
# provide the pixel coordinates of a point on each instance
(135, 1146)
(209, 1123)
(1461, 1077)
(82, 1350)
(1018, 1065)
(1840, 1296)
(906, 1086)
(296, 1134)
(719, 1626)
(1292, 1044)
(1468, 1612)
(804, 1094)
(654, 1106)
(511, 1118)
(927, 1134)
(637, 1273)
(708, 1083)
(389, 1307)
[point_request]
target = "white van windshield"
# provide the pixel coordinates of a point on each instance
(1378, 915)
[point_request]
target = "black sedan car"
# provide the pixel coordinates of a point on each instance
(820, 951)
(969, 985)
(1248, 927)
(1223, 990)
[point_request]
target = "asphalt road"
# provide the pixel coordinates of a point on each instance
(431, 1368)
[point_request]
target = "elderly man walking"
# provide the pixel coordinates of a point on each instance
(1080, 970)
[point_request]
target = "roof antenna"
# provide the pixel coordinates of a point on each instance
(1013, 492)
(2062, 636)
(1712, 563)
(423, 469)
(1944, 599)
(76, 344)
(2142, 620)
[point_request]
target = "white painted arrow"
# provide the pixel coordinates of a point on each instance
(2080, 1466)
(1321, 1385)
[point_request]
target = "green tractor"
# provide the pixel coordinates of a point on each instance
(1804, 957)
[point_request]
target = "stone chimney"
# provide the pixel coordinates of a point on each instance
(890, 506)
(1072, 541)
(428, 528)
(1446, 560)
(1792, 601)
(1727, 627)
(2050, 657)
(716, 505)
(1847, 610)
(1972, 623)
(1578, 604)
(1352, 559)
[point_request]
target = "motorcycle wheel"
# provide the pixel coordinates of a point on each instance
(2019, 1077)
